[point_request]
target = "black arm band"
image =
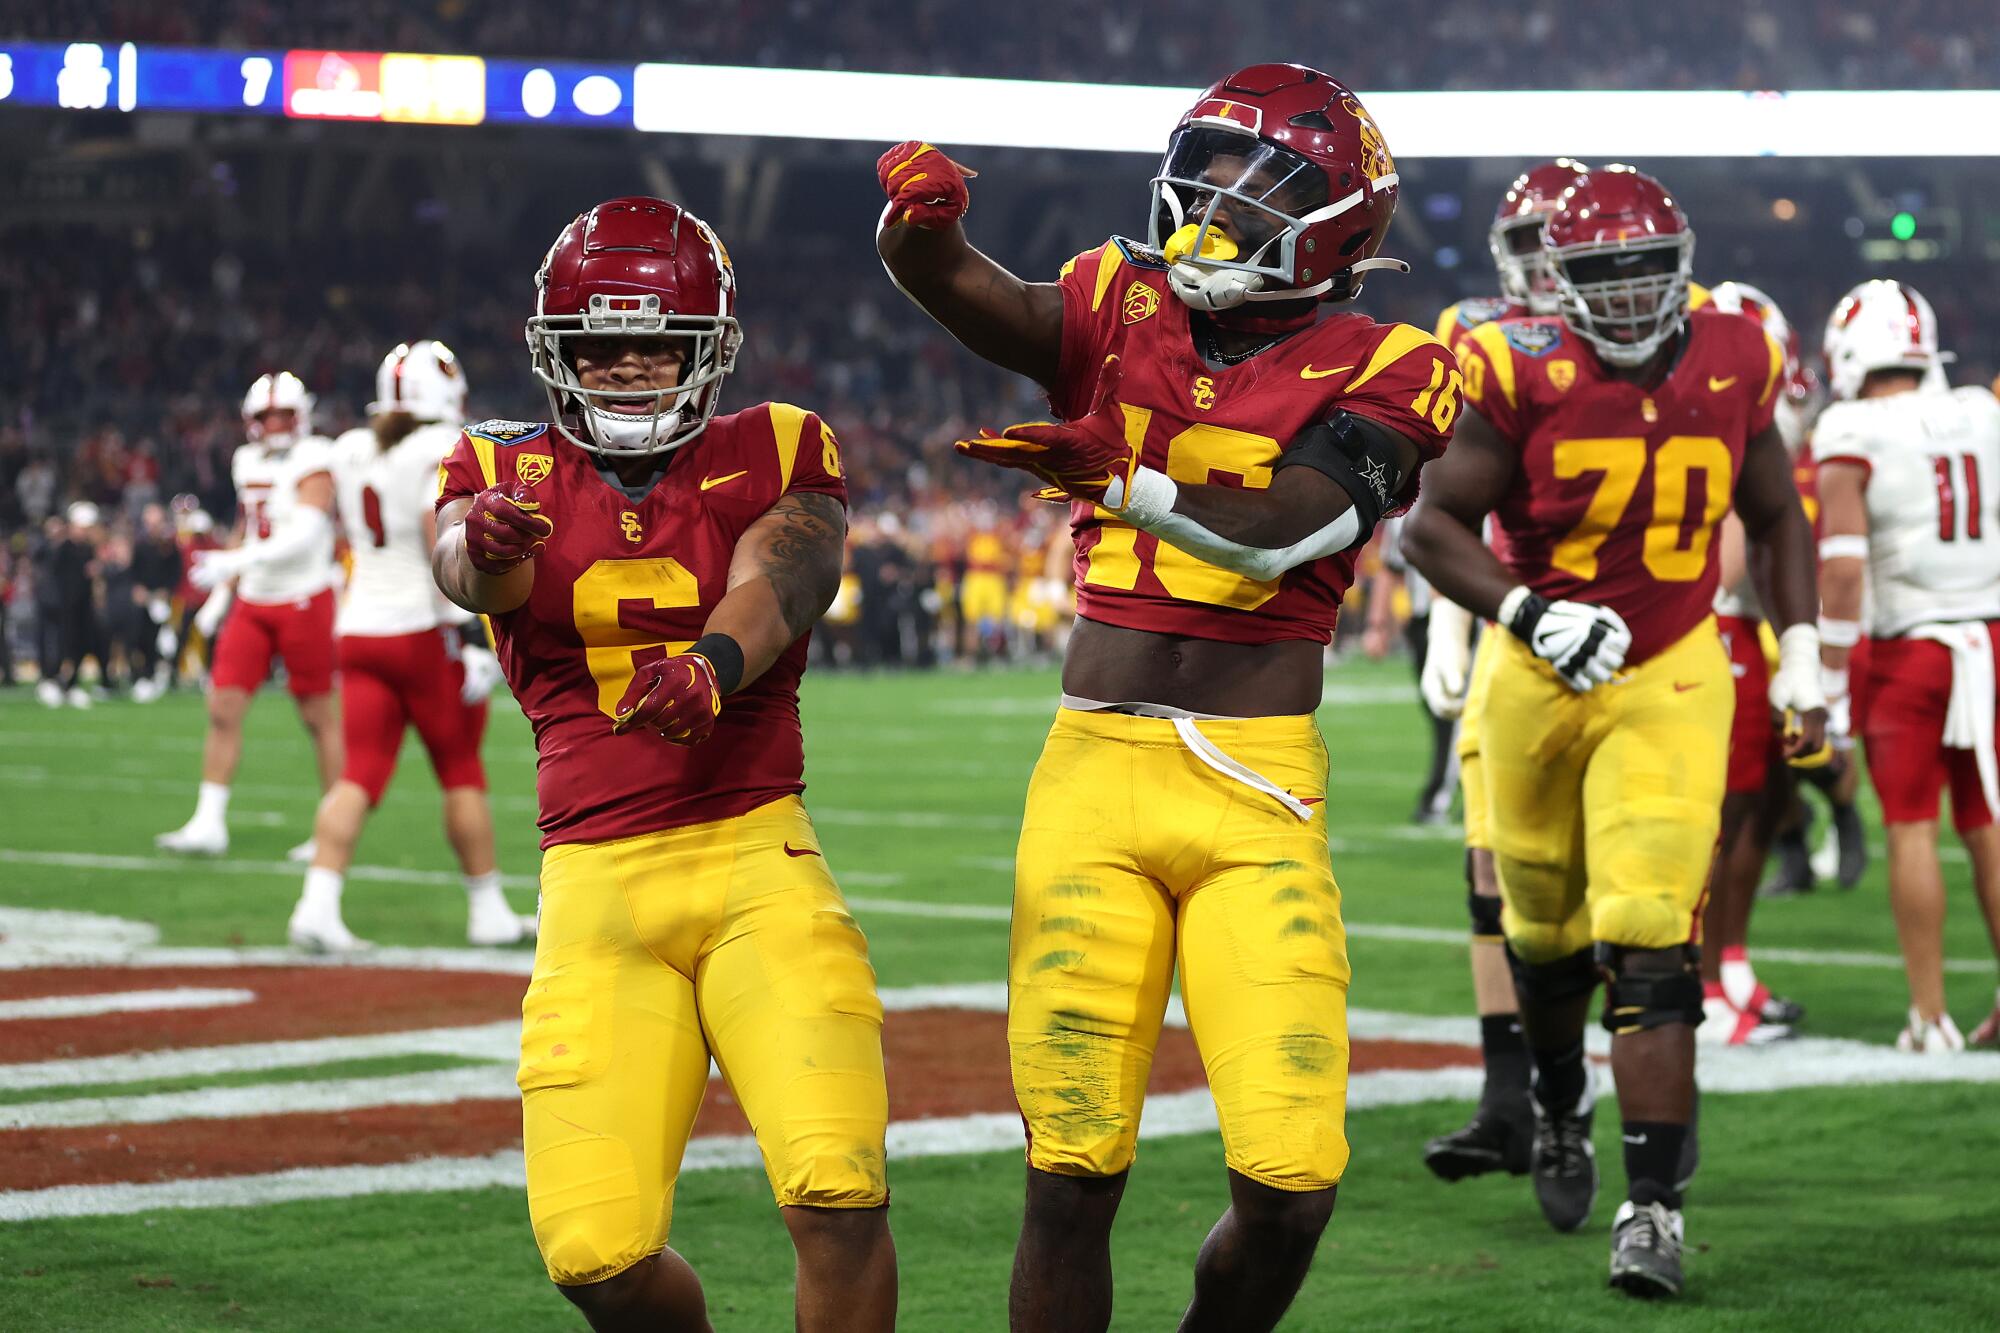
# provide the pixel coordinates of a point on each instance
(726, 656)
(1527, 615)
(1360, 456)
(472, 634)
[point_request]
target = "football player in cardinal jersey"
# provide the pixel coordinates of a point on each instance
(1452, 675)
(651, 570)
(1739, 1009)
(282, 572)
(1608, 443)
(1229, 448)
(1909, 487)
(403, 660)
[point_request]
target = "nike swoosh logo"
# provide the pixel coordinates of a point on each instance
(1717, 386)
(789, 849)
(707, 482)
(1682, 687)
(1636, 1140)
(1308, 373)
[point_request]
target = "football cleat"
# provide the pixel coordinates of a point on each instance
(79, 697)
(49, 694)
(195, 838)
(1771, 1008)
(1564, 1161)
(317, 929)
(1497, 1138)
(1988, 1032)
(304, 852)
(1933, 1037)
(491, 922)
(1725, 1025)
(1646, 1242)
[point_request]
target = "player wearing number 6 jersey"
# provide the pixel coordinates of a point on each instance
(1607, 444)
(1228, 448)
(651, 570)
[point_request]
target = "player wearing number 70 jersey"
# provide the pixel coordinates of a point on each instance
(404, 656)
(1229, 446)
(1607, 444)
(651, 571)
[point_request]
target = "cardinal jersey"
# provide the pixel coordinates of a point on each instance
(1226, 425)
(1620, 487)
(1933, 461)
(267, 492)
(385, 505)
(1742, 599)
(1457, 321)
(624, 580)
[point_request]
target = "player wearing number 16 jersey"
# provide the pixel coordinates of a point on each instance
(1228, 447)
(650, 570)
(1607, 444)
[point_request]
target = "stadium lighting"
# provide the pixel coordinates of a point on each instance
(1009, 113)
(1903, 226)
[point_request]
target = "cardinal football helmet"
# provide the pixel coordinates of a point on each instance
(635, 268)
(1623, 256)
(1515, 238)
(282, 392)
(1881, 325)
(1800, 398)
(1276, 186)
(422, 378)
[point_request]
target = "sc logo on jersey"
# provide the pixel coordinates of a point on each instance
(1204, 392)
(628, 523)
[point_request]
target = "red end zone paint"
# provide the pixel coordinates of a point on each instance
(941, 1063)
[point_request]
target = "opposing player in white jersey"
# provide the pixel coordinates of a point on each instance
(407, 657)
(283, 574)
(1909, 483)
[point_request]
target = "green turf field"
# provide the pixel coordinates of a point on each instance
(1833, 1206)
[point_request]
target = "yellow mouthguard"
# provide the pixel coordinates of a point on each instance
(1215, 245)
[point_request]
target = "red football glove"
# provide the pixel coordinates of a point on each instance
(925, 188)
(675, 696)
(1087, 459)
(504, 527)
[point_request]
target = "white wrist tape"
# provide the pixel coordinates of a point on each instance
(1150, 509)
(1843, 546)
(1835, 683)
(1799, 644)
(1839, 633)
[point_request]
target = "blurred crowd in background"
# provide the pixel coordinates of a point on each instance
(225, 249)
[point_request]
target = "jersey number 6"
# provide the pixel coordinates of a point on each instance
(616, 609)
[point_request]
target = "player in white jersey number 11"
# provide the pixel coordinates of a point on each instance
(1909, 486)
(276, 582)
(408, 658)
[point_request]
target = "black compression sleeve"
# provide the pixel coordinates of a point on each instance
(1360, 456)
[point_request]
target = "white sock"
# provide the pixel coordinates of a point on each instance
(1739, 981)
(484, 886)
(211, 806)
(322, 889)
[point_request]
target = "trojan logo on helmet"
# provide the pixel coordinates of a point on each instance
(1276, 186)
(1623, 258)
(635, 268)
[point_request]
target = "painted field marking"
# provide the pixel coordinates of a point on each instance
(434, 1087)
(124, 1002)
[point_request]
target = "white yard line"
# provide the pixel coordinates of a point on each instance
(124, 1002)
(434, 1087)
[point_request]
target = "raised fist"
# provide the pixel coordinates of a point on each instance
(925, 188)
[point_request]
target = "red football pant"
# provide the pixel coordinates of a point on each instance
(1753, 739)
(255, 632)
(389, 682)
(1908, 693)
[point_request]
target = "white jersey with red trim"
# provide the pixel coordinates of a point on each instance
(267, 493)
(1933, 461)
(386, 498)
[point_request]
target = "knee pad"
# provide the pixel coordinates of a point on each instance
(1485, 911)
(1650, 988)
(1564, 979)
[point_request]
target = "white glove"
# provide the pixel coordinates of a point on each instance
(209, 618)
(482, 673)
(1585, 643)
(212, 569)
(1795, 685)
(1447, 659)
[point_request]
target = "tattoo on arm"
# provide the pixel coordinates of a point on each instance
(802, 557)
